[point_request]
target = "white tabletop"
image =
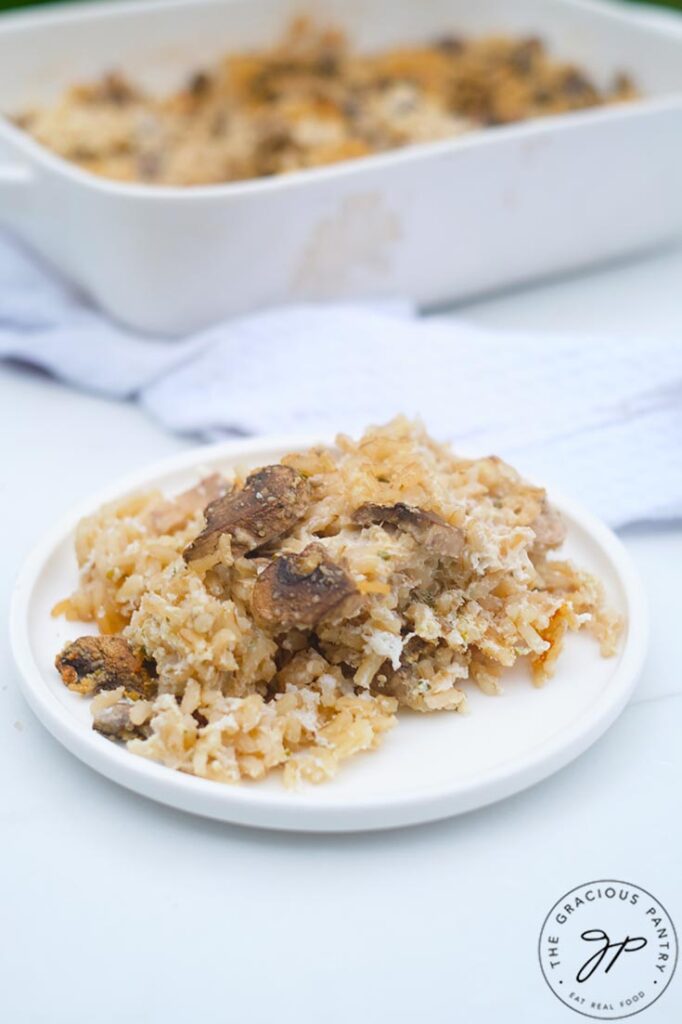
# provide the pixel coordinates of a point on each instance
(114, 908)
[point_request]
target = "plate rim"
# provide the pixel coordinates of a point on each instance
(246, 804)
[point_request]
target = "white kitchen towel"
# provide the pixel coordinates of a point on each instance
(601, 417)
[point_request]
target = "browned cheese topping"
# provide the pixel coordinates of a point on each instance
(311, 100)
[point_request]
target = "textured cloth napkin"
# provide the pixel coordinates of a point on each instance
(600, 417)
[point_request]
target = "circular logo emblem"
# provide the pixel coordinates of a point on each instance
(608, 949)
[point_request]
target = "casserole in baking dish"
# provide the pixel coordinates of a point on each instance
(435, 222)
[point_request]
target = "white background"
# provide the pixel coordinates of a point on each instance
(113, 908)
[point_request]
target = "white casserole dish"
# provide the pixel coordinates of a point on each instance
(435, 222)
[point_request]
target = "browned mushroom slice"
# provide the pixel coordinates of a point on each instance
(427, 528)
(302, 590)
(549, 528)
(115, 722)
(269, 504)
(94, 663)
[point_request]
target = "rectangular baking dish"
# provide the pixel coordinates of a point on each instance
(435, 222)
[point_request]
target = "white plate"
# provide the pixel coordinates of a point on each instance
(427, 768)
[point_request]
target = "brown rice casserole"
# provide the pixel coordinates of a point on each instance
(311, 100)
(281, 618)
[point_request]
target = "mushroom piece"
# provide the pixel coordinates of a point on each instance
(271, 501)
(302, 590)
(418, 694)
(115, 722)
(114, 89)
(427, 528)
(94, 663)
(172, 514)
(549, 528)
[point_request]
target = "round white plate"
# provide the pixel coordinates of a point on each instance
(428, 767)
